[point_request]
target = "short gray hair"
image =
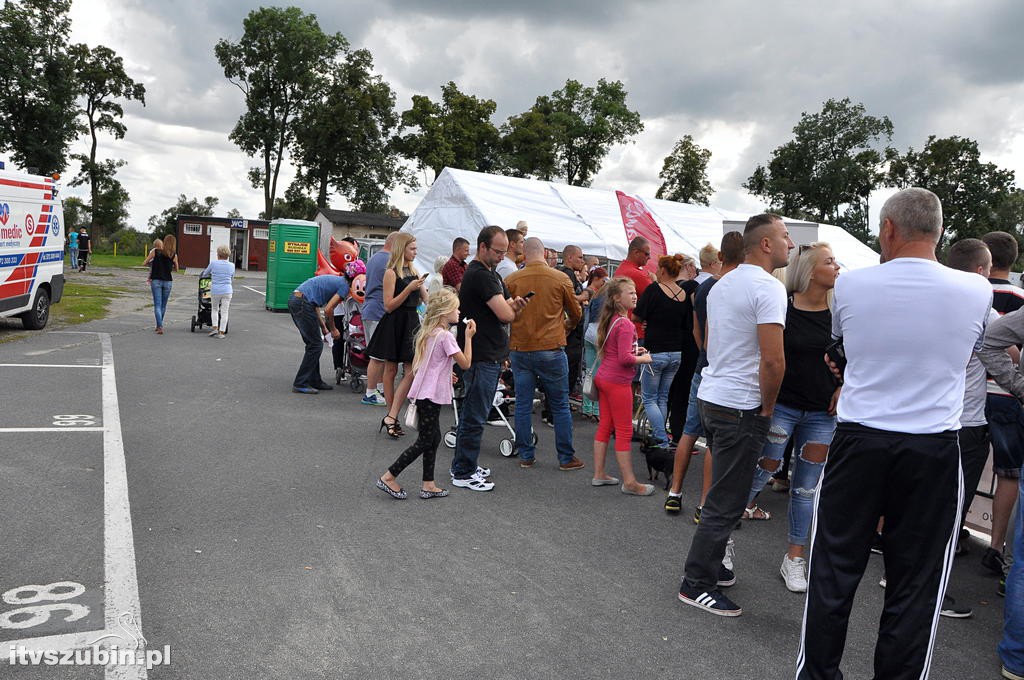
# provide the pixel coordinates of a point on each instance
(915, 212)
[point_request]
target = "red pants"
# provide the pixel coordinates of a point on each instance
(616, 403)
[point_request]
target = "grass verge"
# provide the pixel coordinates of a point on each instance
(84, 302)
(121, 261)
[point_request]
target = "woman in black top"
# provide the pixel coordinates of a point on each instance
(805, 410)
(162, 260)
(665, 308)
(392, 341)
(679, 393)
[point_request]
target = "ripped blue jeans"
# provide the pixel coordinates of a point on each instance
(806, 428)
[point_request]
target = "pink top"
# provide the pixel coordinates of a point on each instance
(433, 379)
(619, 362)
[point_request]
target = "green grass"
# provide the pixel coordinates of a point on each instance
(83, 302)
(122, 261)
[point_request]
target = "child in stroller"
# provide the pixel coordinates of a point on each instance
(349, 353)
(203, 315)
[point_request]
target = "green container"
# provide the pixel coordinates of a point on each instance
(291, 259)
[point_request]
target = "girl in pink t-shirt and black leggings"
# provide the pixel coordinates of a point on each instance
(619, 354)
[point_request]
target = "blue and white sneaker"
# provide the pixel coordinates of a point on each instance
(376, 399)
(712, 601)
(481, 472)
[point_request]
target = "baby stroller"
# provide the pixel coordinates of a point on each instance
(353, 360)
(204, 315)
(502, 400)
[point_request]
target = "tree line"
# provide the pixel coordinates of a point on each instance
(314, 101)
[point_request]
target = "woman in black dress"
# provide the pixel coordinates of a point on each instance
(392, 342)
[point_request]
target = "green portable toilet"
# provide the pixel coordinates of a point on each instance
(292, 247)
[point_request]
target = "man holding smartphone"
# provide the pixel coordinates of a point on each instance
(538, 342)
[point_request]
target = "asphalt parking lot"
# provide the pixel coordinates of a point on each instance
(261, 549)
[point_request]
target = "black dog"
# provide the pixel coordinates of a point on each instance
(659, 460)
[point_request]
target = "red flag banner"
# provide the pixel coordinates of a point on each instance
(638, 221)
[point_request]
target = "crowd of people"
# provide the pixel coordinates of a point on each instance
(872, 396)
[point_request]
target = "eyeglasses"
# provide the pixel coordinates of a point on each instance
(497, 252)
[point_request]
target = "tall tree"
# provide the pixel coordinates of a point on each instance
(528, 146)
(834, 161)
(76, 212)
(109, 205)
(343, 136)
(684, 174)
(104, 83)
(972, 192)
(279, 63)
(167, 221)
(455, 133)
(38, 114)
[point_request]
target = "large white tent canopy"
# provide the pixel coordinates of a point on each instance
(461, 202)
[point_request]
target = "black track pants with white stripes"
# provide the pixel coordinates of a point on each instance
(915, 482)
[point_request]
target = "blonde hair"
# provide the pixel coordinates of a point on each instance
(612, 290)
(397, 260)
(170, 246)
(802, 262)
(223, 252)
(440, 304)
(708, 256)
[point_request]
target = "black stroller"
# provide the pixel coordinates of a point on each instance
(204, 315)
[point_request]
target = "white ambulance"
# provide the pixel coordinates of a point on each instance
(31, 247)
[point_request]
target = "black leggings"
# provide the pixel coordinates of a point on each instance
(429, 438)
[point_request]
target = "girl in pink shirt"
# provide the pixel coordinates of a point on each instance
(431, 388)
(619, 354)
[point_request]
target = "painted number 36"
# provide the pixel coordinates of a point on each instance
(27, 617)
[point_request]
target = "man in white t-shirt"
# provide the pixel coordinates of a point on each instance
(515, 253)
(908, 328)
(746, 317)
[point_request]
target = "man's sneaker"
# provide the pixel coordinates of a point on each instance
(794, 573)
(993, 561)
(1010, 675)
(481, 472)
(726, 577)
(574, 464)
(474, 483)
(696, 514)
(951, 610)
(730, 553)
(882, 582)
(877, 544)
(527, 463)
(674, 504)
(963, 542)
(712, 601)
(547, 420)
(375, 399)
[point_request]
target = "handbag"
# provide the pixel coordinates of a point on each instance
(589, 386)
(411, 419)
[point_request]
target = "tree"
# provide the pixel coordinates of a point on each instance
(103, 82)
(684, 174)
(38, 114)
(296, 205)
(972, 192)
(456, 133)
(76, 212)
(279, 63)
(832, 163)
(109, 205)
(167, 221)
(343, 136)
(528, 146)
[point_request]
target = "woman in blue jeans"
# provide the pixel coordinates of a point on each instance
(161, 261)
(806, 405)
(666, 310)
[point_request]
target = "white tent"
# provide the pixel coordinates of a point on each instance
(461, 202)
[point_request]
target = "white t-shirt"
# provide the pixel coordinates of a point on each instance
(506, 267)
(909, 327)
(742, 300)
(976, 388)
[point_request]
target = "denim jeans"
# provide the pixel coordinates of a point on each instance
(805, 427)
(481, 382)
(1011, 648)
(551, 368)
(161, 292)
(739, 438)
(305, 317)
(73, 256)
(655, 382)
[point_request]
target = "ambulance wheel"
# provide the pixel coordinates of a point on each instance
(193, 329)
(355, 385)
(449, 439)
(35, 319)
(506, 448)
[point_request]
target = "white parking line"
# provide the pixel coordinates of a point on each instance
(51, 429)
(51, 366)
(256, 291)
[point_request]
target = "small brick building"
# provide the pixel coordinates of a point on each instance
(199, 237)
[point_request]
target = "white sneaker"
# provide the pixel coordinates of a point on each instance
(474, 483)
(730, 552)
(794, 573)
(375, 399)
(481, 473)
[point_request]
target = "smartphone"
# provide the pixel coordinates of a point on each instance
(424, 277)
(529, 295)
(837, 354)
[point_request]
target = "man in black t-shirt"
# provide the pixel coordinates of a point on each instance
(572, 263)
(484, 298)
(84, 248)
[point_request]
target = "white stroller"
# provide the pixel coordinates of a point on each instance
(507, 446)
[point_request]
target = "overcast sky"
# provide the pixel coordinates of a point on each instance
(734, 74)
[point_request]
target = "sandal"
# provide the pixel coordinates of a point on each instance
(757, 514)
(400, 494)
(393, 429)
